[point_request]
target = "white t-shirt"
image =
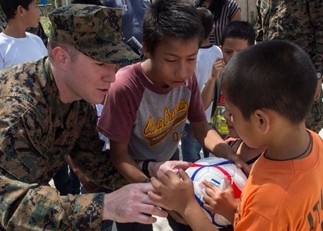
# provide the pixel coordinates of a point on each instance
(20, 50)
(205, 58)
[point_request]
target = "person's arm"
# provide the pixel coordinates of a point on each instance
(116, 122)
(212, 141)
(237, 16)
(207, 92)
(29, 203)
(123, 162)
(26, 163)
(177, 192)
(234, 11)
(30, 206)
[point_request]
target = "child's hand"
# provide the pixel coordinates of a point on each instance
(217, 68)
(220, 201)
(172, 165)
(239, 163)
(175, 191)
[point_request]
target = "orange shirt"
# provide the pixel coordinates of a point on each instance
(284, 195)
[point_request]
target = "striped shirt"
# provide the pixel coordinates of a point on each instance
(230, 8)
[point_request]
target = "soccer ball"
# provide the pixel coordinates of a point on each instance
(213, 169)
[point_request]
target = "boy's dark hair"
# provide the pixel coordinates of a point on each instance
(240, 30)
(170, 18)
(276, 75)
(207, 20)
(9, 7)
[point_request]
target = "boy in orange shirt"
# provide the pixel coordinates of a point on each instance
(268, 89)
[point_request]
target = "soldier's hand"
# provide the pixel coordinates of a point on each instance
(131, 203)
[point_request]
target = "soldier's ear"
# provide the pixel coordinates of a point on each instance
(61, 57)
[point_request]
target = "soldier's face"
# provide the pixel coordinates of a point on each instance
(89, 79)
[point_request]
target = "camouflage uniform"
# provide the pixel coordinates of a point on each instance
(301, 22)
(37, 131)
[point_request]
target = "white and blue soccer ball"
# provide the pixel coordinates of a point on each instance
(213, 169)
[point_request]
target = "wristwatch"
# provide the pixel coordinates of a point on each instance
(144, 167)
(318, 75)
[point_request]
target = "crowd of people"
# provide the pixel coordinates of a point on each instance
(105, 120)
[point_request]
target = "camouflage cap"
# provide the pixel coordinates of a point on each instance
(93, 30)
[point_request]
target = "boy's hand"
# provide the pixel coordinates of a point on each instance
(174, 192)
(239, 163)
(220, 201)
(217, 68)
(173, 165)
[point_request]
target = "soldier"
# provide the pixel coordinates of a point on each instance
(47, 113)
(300, 22)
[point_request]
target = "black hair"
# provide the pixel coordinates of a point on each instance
(9, 7)
(92, 2)
(239, 29)
(215, 7)
(170, 18)
(276, 75)
(207, 21)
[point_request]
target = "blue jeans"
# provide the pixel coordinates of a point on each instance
(190, 146)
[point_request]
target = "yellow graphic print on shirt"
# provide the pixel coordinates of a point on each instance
(218, 120)
(155, 131)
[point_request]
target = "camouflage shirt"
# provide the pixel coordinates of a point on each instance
(37, 131)
(300, 21)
